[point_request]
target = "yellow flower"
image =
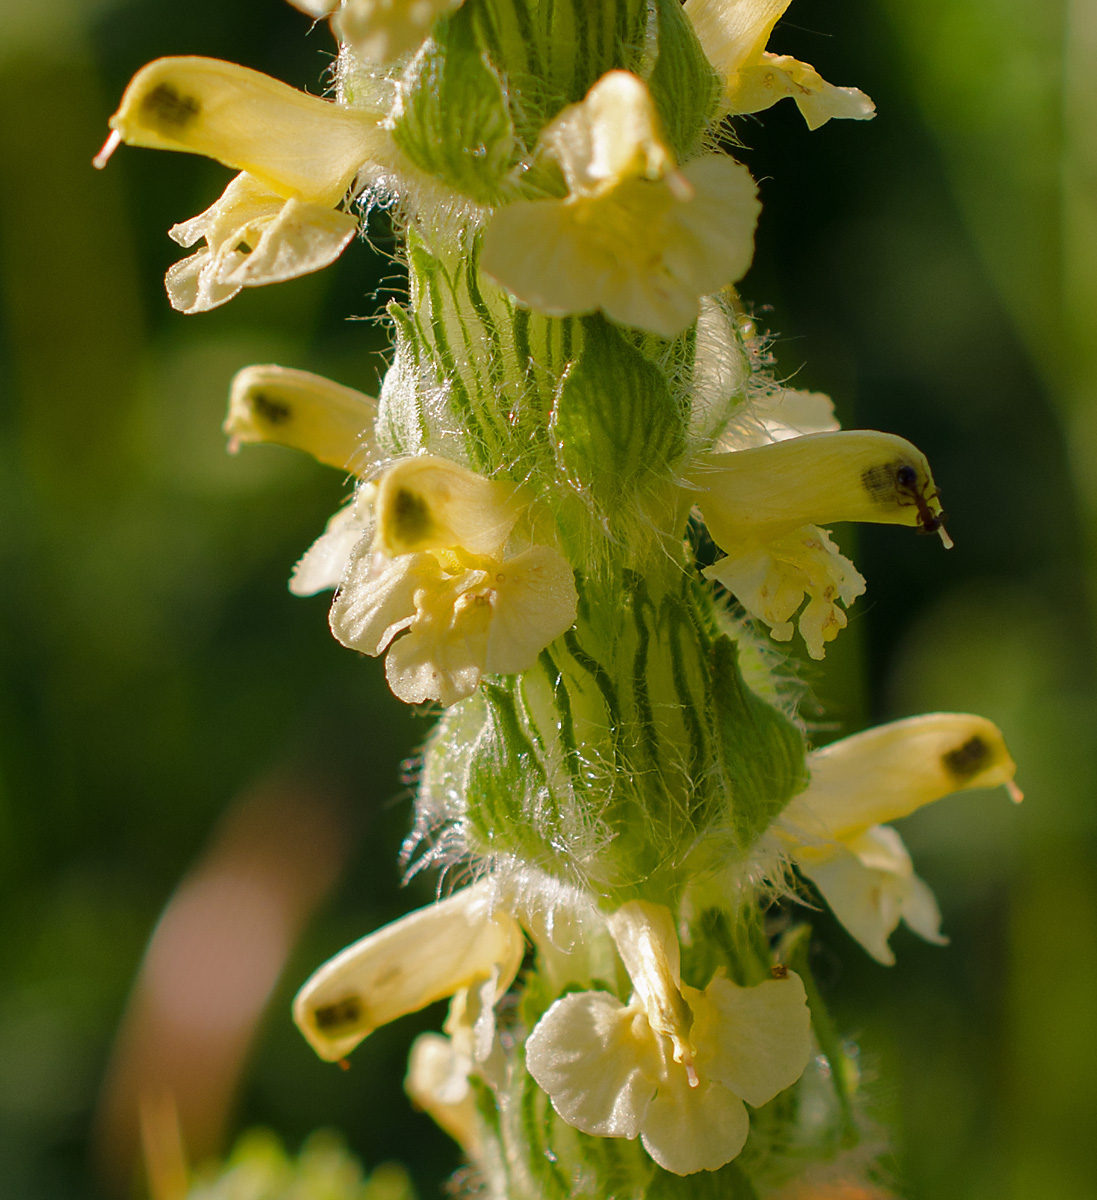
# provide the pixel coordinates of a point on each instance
(334, 424)
(253, 237)
(462, 942)
(734, 33)
(294, 408)
(674, 1065)
(438, 573)
(762, 505)
(440, 1068)
(636, 237)
(298, 156)
(835, 831)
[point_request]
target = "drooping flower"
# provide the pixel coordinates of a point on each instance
(297, 154)
(465, 941)
(836, 832)
(635, 237)
(762, 506)
(734, 33)
(440, 1067)
(675, 1064)
(334, 424)
(437, 573)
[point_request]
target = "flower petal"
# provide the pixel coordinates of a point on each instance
(690, 1129)
(868, 902)
(437, 1082)
(382, 30)
(253, 237)
(733, 33)
(407, 965)
(377, 598)
(428, 503)
(301, 410)
(442, 655)
(598, 1062)
(887, 772)
(533, 602)
(755, 1041)
(854, 475)
(612, 134)
(298, 145)
(324, 564)
(778, 75)
(648, 944)
(771, 580)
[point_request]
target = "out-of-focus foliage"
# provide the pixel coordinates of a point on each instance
(260, 1169)
(931, 269)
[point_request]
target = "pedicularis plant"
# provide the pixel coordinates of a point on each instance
(575, 387)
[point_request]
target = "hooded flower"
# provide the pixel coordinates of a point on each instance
(462, 942)
(297, 154)
(438, 574)
(334, 424)
(734, 33)
(761, 504)
(674, 1065)
(635, 237)
(835, 831)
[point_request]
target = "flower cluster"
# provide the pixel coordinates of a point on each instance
(574, 381)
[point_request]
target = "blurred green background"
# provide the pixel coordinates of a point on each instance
(934, 270)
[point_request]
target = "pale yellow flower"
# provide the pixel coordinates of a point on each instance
(437, 573)
(835, 831)
(465, 941)
(298, 156)
(636, 237)
(734, 33)
(674, 1065)
(334, 424)
(440, 1068)
(763, 506)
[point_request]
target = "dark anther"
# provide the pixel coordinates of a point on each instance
(968, 759)
(166, 107)
(337, 1015)
(274, 412)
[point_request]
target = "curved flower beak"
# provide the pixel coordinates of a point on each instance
(296, 144)
(303, 411)
(852, 475)
(835, 830)
(405, 966)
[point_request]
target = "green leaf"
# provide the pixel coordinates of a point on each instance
(762, 751)
(456, 122)
(682, 82)
(616, 423)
